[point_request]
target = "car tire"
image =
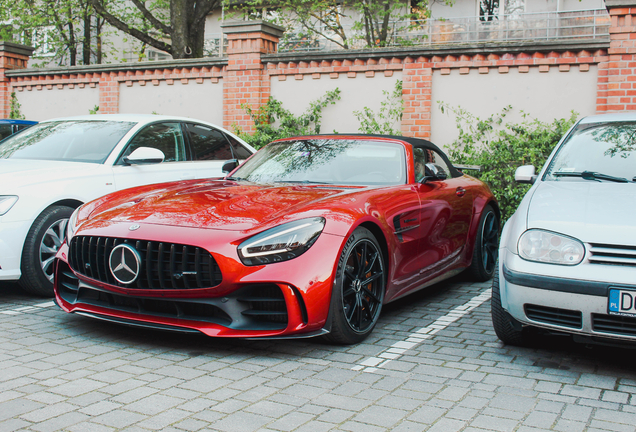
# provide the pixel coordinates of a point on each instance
(358, 289)
(43, 240)
(508, 330)
(486, 247)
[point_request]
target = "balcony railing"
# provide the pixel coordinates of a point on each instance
(529, 27)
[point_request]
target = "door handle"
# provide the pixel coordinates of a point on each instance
(460, 191)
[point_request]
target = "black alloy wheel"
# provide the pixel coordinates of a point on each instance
(486, 249)
(358, 291)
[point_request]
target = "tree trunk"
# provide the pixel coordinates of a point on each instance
(181, 46)
(72, 49)
(86, 44)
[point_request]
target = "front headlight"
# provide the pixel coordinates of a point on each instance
(72, 226)
(281, 243)
(548, 247)
(6, 202)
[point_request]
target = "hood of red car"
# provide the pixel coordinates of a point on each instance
(216, 204)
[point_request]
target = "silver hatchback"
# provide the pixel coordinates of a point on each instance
(567, 257)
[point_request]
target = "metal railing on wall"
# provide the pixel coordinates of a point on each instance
(526, 27)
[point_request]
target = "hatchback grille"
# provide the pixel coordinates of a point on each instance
(614, 324)
(163, 265)
(554, 316)
(612, 254)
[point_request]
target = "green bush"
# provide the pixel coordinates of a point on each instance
(390, 113)
(500, 147)
(273, 122)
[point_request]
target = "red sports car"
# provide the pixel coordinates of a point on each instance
(310, 236)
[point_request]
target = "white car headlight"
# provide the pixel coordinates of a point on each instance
(6, 202)
(548, 247)
(72, 226)
(282, 243)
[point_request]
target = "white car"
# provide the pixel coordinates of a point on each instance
(55, 166)
(567, 257)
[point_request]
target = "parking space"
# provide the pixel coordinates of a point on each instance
(433, 363)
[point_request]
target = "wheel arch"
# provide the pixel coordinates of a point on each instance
(69, 202)
(379, 236)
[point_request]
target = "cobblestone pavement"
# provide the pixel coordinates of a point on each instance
(433, 363)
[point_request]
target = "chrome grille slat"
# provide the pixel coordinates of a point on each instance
(162, 264)
(612, 254)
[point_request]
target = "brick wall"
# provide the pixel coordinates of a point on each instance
(252, 63)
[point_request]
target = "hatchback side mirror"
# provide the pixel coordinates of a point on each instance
(525, 174)
(230, 165)
(144, 155)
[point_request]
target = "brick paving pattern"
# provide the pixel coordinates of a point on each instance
(69, 373)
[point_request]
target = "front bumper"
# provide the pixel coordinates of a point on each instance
(12, 236)
(544, 299)
(281, 300)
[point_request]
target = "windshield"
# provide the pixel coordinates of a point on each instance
(600, 152)
(327, 161)
(71, 140)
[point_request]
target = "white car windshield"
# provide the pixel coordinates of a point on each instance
(599, 152)
(75, 141)
(327, 161)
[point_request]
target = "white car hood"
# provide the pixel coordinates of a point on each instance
(19, 173)
(593, 212)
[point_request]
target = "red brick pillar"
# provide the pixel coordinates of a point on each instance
(108, 93)
(617, 77)
(246, 80)
(12, 56)
(417, 79)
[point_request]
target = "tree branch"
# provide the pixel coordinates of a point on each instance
(151, 18)
(117, 23)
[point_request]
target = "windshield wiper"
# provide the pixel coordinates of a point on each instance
(591, 175)
(300, 181)
(233, 178)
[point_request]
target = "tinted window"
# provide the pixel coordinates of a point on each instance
(73, 140)
(166, 137)
(207, 143)
(5, 131)
(240, 152)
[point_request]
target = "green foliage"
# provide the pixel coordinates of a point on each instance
(390, 113)
(343, 22)
(14, 108)
(500, 147)
(94, 110)
(273, 122)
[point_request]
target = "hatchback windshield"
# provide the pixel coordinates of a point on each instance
(327, 161)
(600, 152)
(75, 141)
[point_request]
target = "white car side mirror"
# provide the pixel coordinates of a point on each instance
(145, 155)
(525, 174)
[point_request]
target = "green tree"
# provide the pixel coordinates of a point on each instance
(343, 22)
(65, 31)
(154, 22)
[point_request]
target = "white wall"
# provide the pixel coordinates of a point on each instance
(545, 96)
(45, 104)
(356, 93)
(199, 101)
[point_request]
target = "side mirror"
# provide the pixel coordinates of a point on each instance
(433, 172)
(525, 174)
(145, 155)
(230, 165)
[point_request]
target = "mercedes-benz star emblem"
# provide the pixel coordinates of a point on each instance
(124, 263)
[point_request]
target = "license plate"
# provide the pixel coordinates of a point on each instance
(622, 302)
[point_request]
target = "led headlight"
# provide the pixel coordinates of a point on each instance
(72, 226)
(6, 202)
(281, 243)
(548, 247)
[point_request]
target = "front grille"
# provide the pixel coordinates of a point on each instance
(554, 316)
(614, 324)
(612, 254)
(265, 303)
(163, 265)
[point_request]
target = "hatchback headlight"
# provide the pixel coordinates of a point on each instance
(72, 226)
(281, 243)
(548, 247)
(6, 202)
